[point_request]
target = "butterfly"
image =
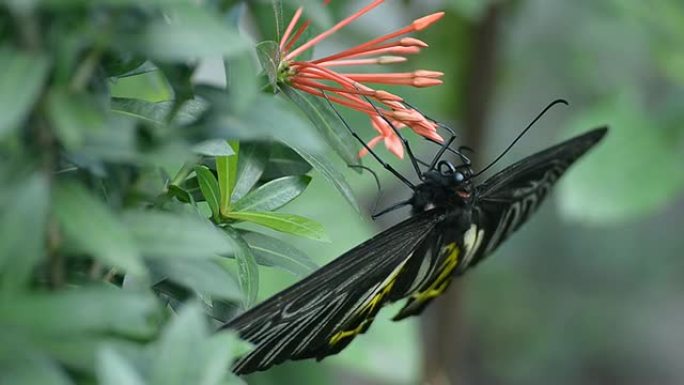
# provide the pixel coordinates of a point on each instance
(455, 224)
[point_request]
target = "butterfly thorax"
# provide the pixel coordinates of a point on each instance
(440, 188)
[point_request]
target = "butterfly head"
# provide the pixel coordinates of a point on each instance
(445, 185)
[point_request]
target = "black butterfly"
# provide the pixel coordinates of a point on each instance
(455, 224)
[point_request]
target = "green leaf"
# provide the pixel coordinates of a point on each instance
(114, 369)
(210, 188)
(226, 169)
(22, 220)
(287, 223)
(248, 271)
(251, 163)
(31, 368)
(179, 354)
(257, 121)
(284, 161)
(21, 80)
(93, 228)
(190, 32)
(213, 147)
(86, 310)
(73, 115)
(158, 113)
(328, 170)
(274, 194)
(168, 235)
(241, 79)
(329, 125)
(269, 58)
(271, 251)
(206, 277)
(188, 354)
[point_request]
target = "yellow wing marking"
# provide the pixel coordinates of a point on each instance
(369, 307)
(440, 283)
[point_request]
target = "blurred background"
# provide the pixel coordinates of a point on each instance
(590, 290)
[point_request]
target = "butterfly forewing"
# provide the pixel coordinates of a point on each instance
(507, 199)
(320, 315)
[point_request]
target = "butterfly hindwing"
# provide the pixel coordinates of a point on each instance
(322, 313)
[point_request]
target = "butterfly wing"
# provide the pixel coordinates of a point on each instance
(507, 199)
(321, 314)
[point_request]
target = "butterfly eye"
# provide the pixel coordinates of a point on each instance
(459, 177)
(445, 168)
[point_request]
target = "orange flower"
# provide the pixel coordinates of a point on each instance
(351, 89)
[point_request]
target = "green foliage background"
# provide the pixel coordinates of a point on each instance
(145, 173)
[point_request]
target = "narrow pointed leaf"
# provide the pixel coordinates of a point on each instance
(210, 188)
(330, 172)
(204, 276)
(21, 80)
(327, 122)
(286, 223)
(23, 222)
(274, 194)
(270, 251)
(92, 227)
(226, 169)
(114, 369)
(248, 271)
(169, 235)
(252, 161)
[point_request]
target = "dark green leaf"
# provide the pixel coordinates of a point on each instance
(21, 80)
(73, 115)
(258, 121)
(248, 271)
(274, 194)
(269, 57)
(271, 251)
(190, 33)
(179, 355)
(329, 125)
(93, 228)
(210, 188)
(284, 161)
(213, 147)
(287, 223)
(114, 369)
(23, 221)
(86, 310)
(241, 79)
(328, 170)
(206, 277)
(251, 163)
(167, 235)
(226, 169)
(31, 368)
(158, 113)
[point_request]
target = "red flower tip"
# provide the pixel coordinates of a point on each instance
(426, 82)
(426, 21)
(412, 42)
(428, 74)
(387, 97)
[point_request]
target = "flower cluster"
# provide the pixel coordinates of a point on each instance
(351, 89)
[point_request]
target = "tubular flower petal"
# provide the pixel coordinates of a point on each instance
(386, 111)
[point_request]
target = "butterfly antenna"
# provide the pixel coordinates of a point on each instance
(553, 103)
